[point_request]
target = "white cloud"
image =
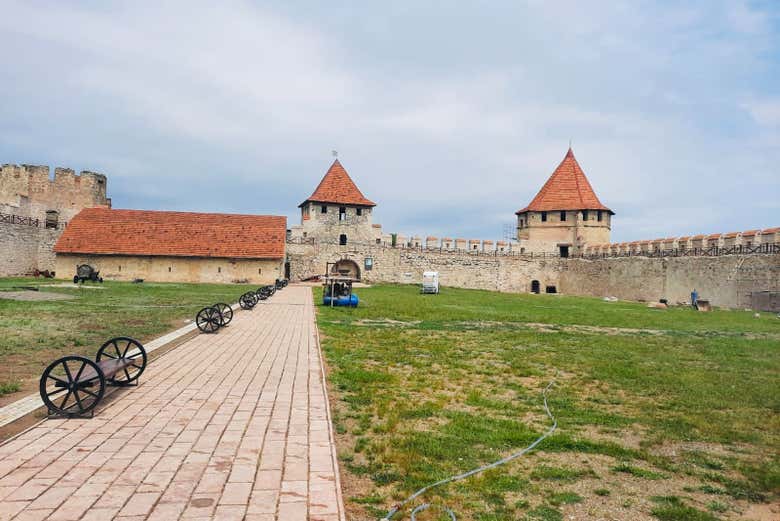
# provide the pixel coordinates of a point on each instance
(473, 106)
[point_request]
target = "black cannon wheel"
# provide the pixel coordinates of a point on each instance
(226, 312)
(208, 319)
(261, 294)
(129, 349)
(247, 300)
(72, 386)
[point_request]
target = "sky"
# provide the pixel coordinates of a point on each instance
(450, 115)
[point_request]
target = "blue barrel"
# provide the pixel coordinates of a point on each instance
(350, 301)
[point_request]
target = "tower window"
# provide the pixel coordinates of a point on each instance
(584, 215)
(563, 216)
(219, 269)
(544, 217)
(343, 239)
(359, 211)
(342, 213)
(169, 269)
(52, 219)
(598, 215)
(323, 209)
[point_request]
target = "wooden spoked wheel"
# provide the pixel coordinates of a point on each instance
(248, 300)
(72, 386)
(208, 319)
(132, 355)
(226, 312)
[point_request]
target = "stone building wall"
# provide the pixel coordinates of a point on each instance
(578, 230)
(726, 281)
(24, 249)
(475, 270)
(173, 269)
(329, 226)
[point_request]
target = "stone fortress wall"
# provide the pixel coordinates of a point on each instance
(728, 280)
(34, 208)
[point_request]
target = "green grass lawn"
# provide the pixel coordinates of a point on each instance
(663, 414)
(33, 333)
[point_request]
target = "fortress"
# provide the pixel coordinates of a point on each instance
(562, 243)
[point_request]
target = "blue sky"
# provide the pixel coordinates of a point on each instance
(450, 115)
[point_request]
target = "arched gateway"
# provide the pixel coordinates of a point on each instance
(346, 268)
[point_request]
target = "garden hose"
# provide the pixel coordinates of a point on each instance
(477, 470)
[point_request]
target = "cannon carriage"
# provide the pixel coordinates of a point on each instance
(72, 386)
(86, 272)
(211, 318)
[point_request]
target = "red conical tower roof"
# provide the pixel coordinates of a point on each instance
(566, 189)
(337, 187)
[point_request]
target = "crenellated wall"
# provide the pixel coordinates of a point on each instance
(746, 239)
(28, 191)
(726, 280)
(445, 244)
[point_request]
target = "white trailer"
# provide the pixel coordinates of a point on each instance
(430, 282)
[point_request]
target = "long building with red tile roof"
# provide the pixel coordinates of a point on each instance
(174, 246)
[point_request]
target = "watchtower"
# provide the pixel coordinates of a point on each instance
(337, 212)
(565, 215)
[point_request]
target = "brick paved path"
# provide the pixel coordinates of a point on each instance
(227, 426)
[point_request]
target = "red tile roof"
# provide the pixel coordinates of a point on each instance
(337, 187)
(185, 234)
(566, 189)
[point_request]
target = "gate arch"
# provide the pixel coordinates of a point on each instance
(346, 268)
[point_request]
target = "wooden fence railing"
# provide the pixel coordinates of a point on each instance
(9, 218)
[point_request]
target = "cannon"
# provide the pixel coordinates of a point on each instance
(265, 291)
(86, 272)
(211, 318)
(73, 386)
(248, 300)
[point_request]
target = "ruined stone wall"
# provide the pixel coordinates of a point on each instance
(726, 281)
(28, 190)
(24, 249)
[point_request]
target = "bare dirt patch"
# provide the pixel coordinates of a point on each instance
(32, 296)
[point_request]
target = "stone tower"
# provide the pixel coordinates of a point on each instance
(337, 212)
(565, 215)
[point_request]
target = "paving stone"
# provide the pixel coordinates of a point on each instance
(233, 425)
